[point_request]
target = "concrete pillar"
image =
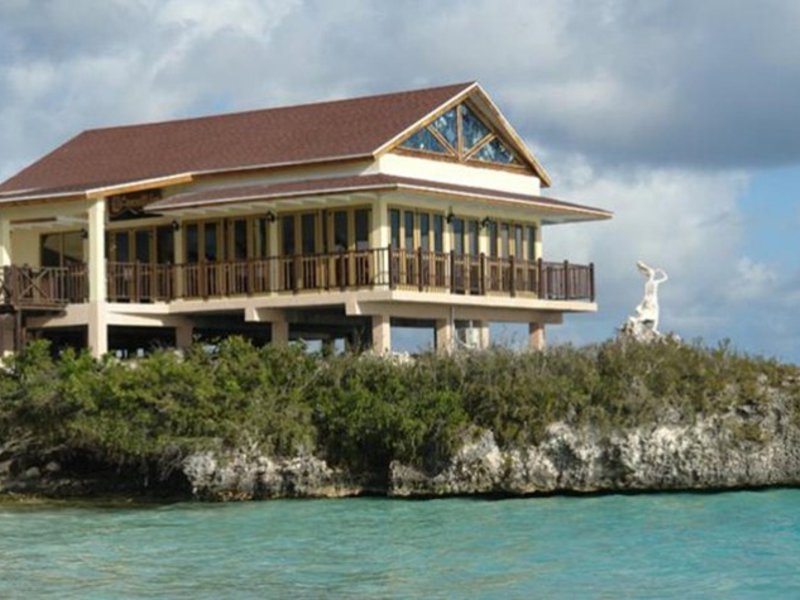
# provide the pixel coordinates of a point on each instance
(280, 332)
(5, 242)
(445, 335)
(381, 334)
(184, 336)
(536, 340)
(538, 249)
(483, 328)
(380, 237)
(98, 327)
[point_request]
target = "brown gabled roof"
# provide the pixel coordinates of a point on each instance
(363, 183)
(278, 136)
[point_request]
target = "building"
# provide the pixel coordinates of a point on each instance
(335, 220)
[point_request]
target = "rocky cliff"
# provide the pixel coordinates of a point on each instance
(752, 446)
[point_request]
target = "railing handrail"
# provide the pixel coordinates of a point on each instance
(418, 269)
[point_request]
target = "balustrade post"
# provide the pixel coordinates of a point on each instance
(567, 291)
(540, 287)
(482, 274)
(420, 280)
(391, 267)
(452, 271)
(591, 282)
(512, 283)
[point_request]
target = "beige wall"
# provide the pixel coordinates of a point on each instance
(25, 247)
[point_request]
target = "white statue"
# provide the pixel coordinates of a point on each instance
(644, 324)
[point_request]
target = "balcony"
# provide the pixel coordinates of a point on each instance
(382, 268)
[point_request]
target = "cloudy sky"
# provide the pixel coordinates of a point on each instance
(680, 116)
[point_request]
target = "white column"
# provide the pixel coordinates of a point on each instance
(445, 336)
(5, 242)
(280, 332)
(98, 327)
(536, 339)
(380, 238)
(381, 334)
(483, 328)
(184, 336)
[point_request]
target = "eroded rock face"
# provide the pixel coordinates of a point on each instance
(246, 476)
(727, 451)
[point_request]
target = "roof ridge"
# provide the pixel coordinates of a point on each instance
(456, 88)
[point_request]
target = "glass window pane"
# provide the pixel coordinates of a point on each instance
(446, 125)
(408, 226)
(494, 151)
(121, 247)
(394, 219)
(308, 224)
(142, 242)
(438, 233)
(424, 231)
(518, 241)
(51, 250)
(240, 239)
(260, 242)
(192, 245)
(211, 242)
(458, 236)
(340, 231)
(472, 128)
(362, 229)
(493, 239)
(424, 140)
(287, 231)
(474, 229)
(165, 245)
(531, 243)
(73, 249)
(505, 243)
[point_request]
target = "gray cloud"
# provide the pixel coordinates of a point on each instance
(660, 110)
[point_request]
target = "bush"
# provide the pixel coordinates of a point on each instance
(363, 412)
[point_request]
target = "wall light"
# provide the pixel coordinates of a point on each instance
(270, 216)
(84, 234)
(175, 225)
(485, 222)
(450, 215)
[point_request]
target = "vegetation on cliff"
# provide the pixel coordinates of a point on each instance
(361, 412)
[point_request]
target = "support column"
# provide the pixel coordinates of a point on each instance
(483, 329)
(379, 239)
(381, 334)
(98, 326)
(536, 340)
(6, 322)
(184, 336)
(5, 242)
(280, 332)
(445, 336)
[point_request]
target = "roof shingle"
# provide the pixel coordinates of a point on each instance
(294, 134)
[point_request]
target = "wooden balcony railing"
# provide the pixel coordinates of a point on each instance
(465, 274)
(363, 269)
(45, 287)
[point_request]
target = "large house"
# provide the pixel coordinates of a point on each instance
(336, 220)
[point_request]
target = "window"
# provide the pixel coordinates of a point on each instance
(362, 229)
(531, 243)
(461, 134)
(394, 218)
(61, 249)
(438, 233)
(408, 230)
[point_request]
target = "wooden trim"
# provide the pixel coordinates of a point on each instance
(137, 186)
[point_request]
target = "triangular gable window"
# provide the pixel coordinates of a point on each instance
(461, 134)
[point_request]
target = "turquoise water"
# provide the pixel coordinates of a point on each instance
(731, 545)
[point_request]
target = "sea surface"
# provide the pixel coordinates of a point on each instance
(726, 545)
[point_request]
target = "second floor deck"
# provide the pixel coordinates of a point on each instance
(379, 268)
